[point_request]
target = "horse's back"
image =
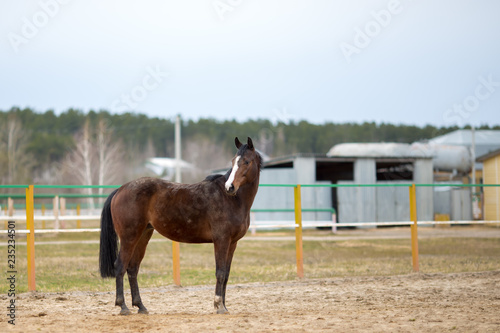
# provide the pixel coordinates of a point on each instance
(181, 212)
(145, 186)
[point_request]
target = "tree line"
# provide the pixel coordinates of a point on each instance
(45, 147)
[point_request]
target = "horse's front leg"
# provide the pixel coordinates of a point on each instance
(230, 253)
(223, 257)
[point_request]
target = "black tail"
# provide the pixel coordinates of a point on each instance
(108, 250)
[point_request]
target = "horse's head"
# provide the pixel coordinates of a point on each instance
(245, 168)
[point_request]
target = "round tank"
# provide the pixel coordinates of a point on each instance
(444, 157)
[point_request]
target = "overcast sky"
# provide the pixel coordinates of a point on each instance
(409, 61)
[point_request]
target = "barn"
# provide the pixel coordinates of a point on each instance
(383, 164)
(352, 204)
(446, 161)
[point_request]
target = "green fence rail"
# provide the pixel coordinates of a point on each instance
(21, 196)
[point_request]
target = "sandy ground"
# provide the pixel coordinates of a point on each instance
(462, 302)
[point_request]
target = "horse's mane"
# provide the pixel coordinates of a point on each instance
(211, 178)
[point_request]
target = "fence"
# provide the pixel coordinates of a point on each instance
(297, 225)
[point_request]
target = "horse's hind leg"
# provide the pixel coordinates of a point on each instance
(133, 268)
(121, 264)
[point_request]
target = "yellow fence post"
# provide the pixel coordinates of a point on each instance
(78, 222)
(176, 263)
(298, 232)
(10, 207)
(414, 230)
(30, 237)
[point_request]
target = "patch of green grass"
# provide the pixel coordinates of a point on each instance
(69, 267)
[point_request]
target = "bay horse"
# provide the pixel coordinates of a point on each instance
(215, 210)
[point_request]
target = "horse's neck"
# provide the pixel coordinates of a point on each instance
(249, 191)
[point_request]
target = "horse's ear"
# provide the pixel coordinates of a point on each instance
(237, 142)
(250, 143)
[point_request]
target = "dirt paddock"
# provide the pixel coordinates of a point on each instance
(461, 302)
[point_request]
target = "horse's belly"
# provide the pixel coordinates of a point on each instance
(187, 231)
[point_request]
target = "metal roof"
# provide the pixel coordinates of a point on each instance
(287, 160)
(488, 156)
(485, 140)
(464, 137)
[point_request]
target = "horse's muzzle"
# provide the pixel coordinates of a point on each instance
(231, 190)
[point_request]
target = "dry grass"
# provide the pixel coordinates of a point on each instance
(66, 267)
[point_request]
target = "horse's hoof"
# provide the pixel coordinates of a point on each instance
(144, 312)
(125, 312)
(222, 311)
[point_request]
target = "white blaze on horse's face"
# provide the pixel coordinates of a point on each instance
(229, 182)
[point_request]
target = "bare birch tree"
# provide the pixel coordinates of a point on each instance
(97, 158)
(13, 136)
(79, 161)
(14, 160)
(110, 156)
(205, 155)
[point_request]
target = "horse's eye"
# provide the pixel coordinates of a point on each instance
(247, 162)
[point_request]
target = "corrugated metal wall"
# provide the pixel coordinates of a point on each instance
(384, 204)
(282, 197)
(361, 204)
(390, 203)
(456, 202)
